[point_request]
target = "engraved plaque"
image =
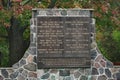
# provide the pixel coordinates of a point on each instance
(63, 42)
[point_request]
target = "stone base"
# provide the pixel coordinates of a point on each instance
(64, 74)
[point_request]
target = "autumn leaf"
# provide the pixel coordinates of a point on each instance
(104, 9)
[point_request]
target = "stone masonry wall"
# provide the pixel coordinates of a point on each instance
(26, 68)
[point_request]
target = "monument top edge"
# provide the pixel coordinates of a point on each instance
(62, 12)
(81, 9)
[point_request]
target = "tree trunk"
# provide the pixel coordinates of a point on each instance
(16, 42)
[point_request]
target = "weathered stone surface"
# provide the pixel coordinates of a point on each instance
(33, 74)
(30, 67)
(9, 79)
(64, 73)
(15, 66)
(54, 71)
(4, 73)
(14, 75)
(31, 39)
(46, 70)
(20, 77)
(22, 62)
(92, 62)
(45, 76)
(1, 78)
(94, 77)
(40, 73)
(29, 59)
(103, 63)
(26, 54)
(35, 59)
(53, 77)
(82, 70)
(77, 74)
(69, 78)
(97, 65)
(33, 28)
(87, 71)
(83, 77)
(98, 58)
(63, 12)
(101, 70)
(32, 50)
(49, 12)
(72, 71)
(25, 73)
(21, 70)
(10, 71)
(103, 77)
(108, 73)
(89, 77)
(117, 75)
(93, 54)
(109, 64)
(32, 79)
(94, 71)
(32, 44)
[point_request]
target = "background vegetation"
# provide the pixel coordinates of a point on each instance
(15, 16)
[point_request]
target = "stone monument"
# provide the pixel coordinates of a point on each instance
(62, 47)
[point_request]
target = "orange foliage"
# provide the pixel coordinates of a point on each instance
(104, 8)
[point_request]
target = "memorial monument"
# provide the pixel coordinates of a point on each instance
(62, 47)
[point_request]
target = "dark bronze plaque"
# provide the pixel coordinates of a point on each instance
(63, 42)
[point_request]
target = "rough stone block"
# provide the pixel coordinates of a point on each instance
(64, 72)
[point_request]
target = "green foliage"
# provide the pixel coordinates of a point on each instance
(5, 17)
(4, 51)
(116, 36)
(3, 46)
(24, 18)
(26, 34)
(107, 26)
(3, 30)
